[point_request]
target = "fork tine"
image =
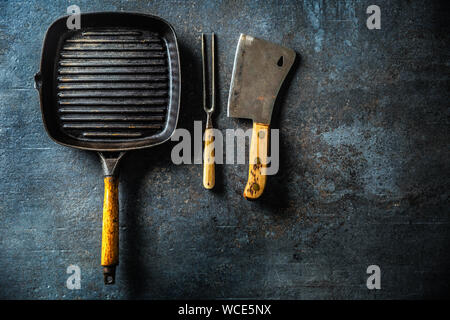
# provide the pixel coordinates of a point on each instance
(204, 71)
(213, 76)
(212, 86)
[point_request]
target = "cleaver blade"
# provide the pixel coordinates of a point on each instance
(260, 68)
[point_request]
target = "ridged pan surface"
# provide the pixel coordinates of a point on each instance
(112, 85)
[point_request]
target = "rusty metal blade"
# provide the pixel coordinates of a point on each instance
(260, 68)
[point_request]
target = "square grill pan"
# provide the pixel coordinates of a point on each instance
(113, 85)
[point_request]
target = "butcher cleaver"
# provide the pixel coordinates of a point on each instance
(260, 68)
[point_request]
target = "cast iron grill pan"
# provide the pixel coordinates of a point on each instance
(112, 86)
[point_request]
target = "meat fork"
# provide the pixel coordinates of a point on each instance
(209, 178)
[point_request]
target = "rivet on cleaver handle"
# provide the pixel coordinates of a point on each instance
(260, 68)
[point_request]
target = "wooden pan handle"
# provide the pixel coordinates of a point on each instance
(209, 174)
(110, 231)
(258, 161)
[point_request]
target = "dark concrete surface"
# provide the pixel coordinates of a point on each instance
(364, 175)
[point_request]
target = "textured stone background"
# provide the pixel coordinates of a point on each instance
(364, 175)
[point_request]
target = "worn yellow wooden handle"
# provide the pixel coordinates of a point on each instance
(209, 174)
(258, 161)
(110, 231)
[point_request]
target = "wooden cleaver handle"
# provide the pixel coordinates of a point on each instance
(209, 173)
(110, 230)
(258, 161)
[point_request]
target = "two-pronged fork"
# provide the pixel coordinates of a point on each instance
(209, 178)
